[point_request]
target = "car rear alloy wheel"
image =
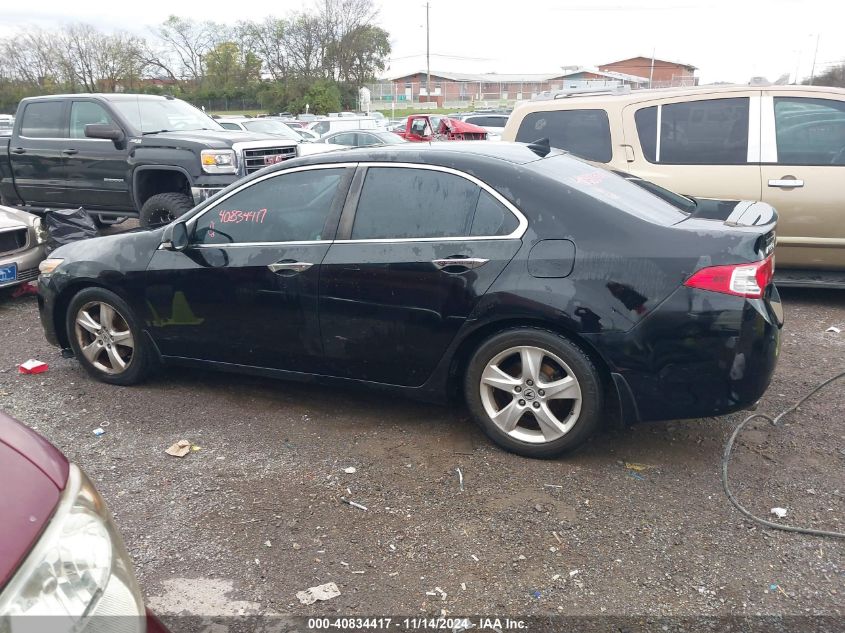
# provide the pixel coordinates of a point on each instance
(533, 391)
(104, 337)
(530, 394)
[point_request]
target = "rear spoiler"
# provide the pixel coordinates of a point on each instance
(748, 213)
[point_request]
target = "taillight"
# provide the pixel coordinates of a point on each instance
(741, 280)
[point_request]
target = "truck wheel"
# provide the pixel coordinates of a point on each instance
(163, 208)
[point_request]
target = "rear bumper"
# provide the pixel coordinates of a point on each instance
(699, 354)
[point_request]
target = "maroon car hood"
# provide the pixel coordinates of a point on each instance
(456, 126)
(33, 474)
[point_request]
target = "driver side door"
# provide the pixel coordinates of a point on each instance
(244, 291)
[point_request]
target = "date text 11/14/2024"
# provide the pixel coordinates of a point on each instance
(418, 624)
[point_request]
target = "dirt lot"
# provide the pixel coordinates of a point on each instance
(255, 516)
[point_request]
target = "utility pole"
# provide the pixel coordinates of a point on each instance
(651, 72)
(427, 57)
(813, 69)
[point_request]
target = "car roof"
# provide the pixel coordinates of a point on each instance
(433, 153)
(110, 96)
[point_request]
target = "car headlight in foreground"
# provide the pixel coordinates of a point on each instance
(77, 574)
(48, 265)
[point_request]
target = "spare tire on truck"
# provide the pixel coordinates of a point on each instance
(163, 208)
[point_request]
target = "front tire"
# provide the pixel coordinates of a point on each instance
(107, 339)
(534, 392)
(163, 208)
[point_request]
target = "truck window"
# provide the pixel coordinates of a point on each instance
(704, 132)
(810, 131)
(585, 133)
(43, 119)
(84, 113)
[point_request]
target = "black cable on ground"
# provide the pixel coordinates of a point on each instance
(775, 422)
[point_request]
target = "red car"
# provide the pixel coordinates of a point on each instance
(60, 552)
(421, 128)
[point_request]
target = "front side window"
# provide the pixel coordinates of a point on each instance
(706, 132)
(84, 113)
(43, 119)
(585, 133)
(810, 131)
(290, 207)
(408, 203)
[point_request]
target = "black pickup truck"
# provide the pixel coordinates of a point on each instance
(123, 155)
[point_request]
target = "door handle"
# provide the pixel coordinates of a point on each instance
(70, 152)
(19, 150)
(293, 267)
(786, 183)
(459, 262)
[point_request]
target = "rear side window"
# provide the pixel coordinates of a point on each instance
(810, 131)
(407, 203)
(43, 119)
(585, 133)
(229, 126)
(706, 132)
(285, 208)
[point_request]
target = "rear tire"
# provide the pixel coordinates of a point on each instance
(163, 208)
(533, 392)
(107, 339)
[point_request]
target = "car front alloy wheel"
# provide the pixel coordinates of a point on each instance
(104, 337)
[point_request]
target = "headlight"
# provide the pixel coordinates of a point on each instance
(48, 265)
(41, 234)
(218, 161)
(78, 569)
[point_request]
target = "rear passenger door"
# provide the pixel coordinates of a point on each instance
(417, 247)
(37, 153)
(803, 166)
(706, 146)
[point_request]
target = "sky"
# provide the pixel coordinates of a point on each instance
(727, 40)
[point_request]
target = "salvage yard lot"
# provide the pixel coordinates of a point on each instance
(255, 515)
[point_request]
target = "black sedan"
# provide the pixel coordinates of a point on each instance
(541, 289)
(363, 138)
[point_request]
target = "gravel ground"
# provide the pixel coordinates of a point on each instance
(255, 515)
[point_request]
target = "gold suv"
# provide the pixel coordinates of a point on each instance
(784, 145)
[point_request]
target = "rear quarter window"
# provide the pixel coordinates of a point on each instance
(585, 133)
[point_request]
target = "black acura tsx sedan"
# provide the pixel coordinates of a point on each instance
(541, 289)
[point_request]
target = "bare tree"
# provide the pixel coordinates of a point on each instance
(190, 42)
(266, 40)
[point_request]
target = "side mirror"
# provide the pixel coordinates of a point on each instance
(105, 131)
(175, 237)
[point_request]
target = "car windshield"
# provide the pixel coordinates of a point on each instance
(271, 127)
(163, 115)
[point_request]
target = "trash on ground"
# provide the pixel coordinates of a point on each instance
(350, 471)
(195, 448)
(33, 366)
(574, 573)
(778, 512)
(833, 329)
(179, 449)
(68, 225)
(463, 586)
(636, 475)
(556, 536)
(99, 431)
(320, 592)
(353, 504)
(474, 557)
(637, 467)
(442, 593)
(25, 289)
(536, 594)
(460, 478)
(268, 544)
(552, 486)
